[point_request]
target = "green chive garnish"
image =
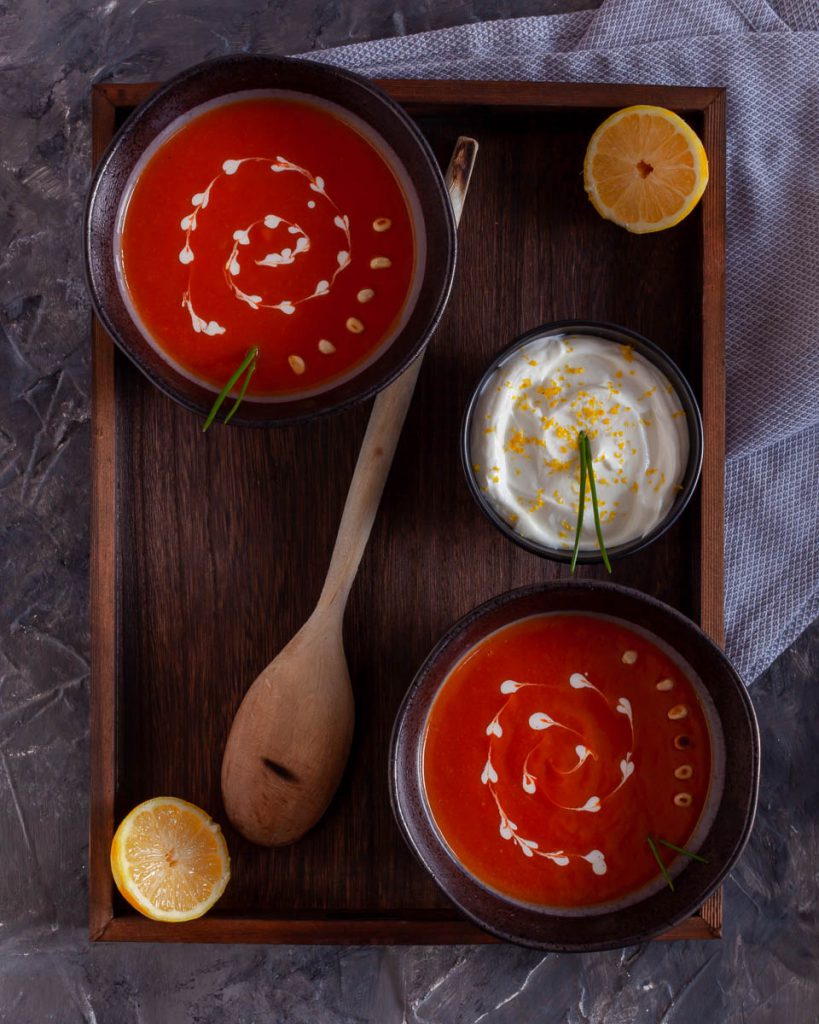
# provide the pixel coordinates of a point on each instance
(683, 851)
(238, 401)
(597, 526)
(587, 468)
(248, 359)
(580, 507)
(659, 860)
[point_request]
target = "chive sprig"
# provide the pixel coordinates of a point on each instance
(587, 469)
(677, 849)
(659, 860)
(248, 363)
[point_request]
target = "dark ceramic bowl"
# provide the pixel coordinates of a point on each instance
(654, 354)
(734, 812)
(237, 74)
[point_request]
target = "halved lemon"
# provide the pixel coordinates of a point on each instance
(170, 860)
(645, 169)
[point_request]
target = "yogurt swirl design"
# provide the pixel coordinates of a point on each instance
(524, 445)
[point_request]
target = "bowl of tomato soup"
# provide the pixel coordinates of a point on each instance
(271, 205)
(576, 765)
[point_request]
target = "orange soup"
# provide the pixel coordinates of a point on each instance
(555, 748)
(272, 222)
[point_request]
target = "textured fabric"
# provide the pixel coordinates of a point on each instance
(766, 55)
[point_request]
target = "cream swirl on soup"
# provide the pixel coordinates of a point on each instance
(524, 439)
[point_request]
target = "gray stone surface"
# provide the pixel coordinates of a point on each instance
(765, 970)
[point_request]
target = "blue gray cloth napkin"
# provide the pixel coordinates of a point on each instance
(767, 56)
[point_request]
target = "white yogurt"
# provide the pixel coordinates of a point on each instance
(524, 440)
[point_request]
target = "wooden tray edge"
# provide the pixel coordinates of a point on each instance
(103, 595)
(356, 931)
(712, 493)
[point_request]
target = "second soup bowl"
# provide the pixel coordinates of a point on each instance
(546, 737)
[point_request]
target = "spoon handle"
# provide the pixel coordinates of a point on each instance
(383, 430)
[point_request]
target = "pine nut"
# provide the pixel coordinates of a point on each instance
(354, 326)
(380, 262)
(665, 684)
(327, 348)
(365, 295)
(297, 364)
(629, 657)
(677, 712)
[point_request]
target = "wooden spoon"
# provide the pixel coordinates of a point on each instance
(290, 739)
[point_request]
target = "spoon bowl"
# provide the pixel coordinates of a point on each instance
(291, 736)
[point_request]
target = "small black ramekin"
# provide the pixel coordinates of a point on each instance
(654, 354)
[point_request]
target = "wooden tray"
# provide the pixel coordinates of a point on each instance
(208, 551)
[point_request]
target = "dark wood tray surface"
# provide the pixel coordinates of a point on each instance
(209, 551)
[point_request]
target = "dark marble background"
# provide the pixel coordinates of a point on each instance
(766, 969)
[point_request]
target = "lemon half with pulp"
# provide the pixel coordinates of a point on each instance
(170, 860)
(645, 169)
